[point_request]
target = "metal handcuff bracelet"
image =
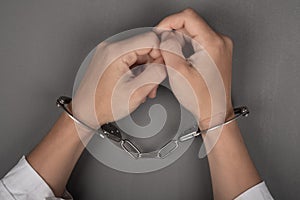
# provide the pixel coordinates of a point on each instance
(113, 133)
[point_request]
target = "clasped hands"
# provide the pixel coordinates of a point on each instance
(110, 91)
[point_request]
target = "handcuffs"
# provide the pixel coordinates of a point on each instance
(113, 133)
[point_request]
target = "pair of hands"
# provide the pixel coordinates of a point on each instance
(201, 83)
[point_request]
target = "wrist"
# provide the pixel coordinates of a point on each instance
(69, 128)
(220, 118)
(65, 126)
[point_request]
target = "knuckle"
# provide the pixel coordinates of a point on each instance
(102, 45)
(110, 47)
(218, 42)
(130, 58)
(189, 11)
(152, 37)
(228, 41)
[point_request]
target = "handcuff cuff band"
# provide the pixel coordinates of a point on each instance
(114, 134)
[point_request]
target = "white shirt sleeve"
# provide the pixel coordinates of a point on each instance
(257, 192)
(23, 183)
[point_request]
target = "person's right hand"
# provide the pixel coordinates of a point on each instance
(206, 75)
(109, 89)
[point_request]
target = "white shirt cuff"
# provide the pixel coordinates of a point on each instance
(257, 192)
(24, 183)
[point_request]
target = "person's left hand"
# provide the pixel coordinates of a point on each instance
(201, 82)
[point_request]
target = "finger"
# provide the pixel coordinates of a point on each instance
(139, 56)
(147, 81)
(171, 50)
(142, 59)
(153, 92)
(173, 42)
(136, 67)
(145, 42)
(133, 58)
(189, 21)
(155, 53)
(126, 52)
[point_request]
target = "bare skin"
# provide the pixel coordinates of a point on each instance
(231, 168)
(55, 157)
(232, 171)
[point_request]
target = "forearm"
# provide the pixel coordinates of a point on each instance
(232, 170)
(55, 157)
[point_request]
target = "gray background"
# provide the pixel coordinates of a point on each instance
(42, 44)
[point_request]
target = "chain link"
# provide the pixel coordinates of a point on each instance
(114, 134)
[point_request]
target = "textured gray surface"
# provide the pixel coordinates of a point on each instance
(42, 44)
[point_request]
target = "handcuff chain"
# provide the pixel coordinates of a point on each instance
(114, 134)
